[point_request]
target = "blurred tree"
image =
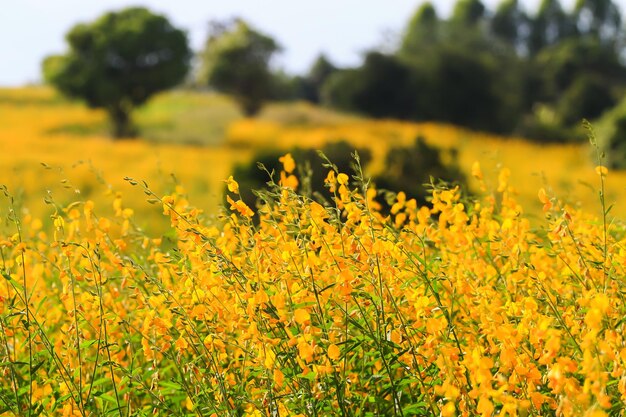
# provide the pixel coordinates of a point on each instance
(503, 71)
(465, 85)
(560, 65)
(423, 31)
(469, 29)
(236, 61)
(577, 78)
(284, 87)
(586, 98)
(599, 18)
(550, 26)
(313, 82)
(468, 12)
(383, 87)
(511, 24)
(119, 61)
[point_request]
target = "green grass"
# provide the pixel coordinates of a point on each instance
(186, 117)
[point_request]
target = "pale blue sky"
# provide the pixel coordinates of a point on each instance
(32, 29)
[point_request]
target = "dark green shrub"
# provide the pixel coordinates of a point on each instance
(409, 169)
(412, 169)
(309, 169)
(587, 98)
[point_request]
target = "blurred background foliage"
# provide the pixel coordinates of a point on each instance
(511, 71)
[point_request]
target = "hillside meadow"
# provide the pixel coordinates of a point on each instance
(122, 294)
(198, 137)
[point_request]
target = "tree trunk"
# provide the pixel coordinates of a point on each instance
(250, 107)
(121, 122)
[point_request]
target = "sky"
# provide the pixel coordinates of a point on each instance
(342, 29)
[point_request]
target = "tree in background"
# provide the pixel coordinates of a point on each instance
(445, 70)
(321, 69)
(467, 28)
(383, 87)
(119, 61)
(468, 13)
(466, 93)
(422, 34)
(598, 18)
(236, 61)
(550, 26)
(511, 24)
(509, 71)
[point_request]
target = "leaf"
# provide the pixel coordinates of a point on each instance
(87, 343)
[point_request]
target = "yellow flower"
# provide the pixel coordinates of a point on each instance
(289, 181)
(232, 185)
(449, 409)
(279, 377)
(305, 351)
(189, 404)
(602, 170)
(330, 177)
(318, 211)
(301, 316)
(485, 406)
(503, 179)
(476, 171)
(547, 204)
(333, 352)
(181, 344)
(240, 207)
(288, 163)
(168, 203)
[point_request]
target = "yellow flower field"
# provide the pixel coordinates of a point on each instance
(35, 158)
(121, 297)
(460, 308)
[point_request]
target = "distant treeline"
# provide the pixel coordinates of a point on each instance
(506, 71)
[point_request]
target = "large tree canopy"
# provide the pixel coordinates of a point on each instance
(599, 18)
(236, 61)
(468, 12)
(422, 32)
(118, 61)
(510, 23)
(550, 26)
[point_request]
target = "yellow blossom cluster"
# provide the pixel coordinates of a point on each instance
(296, 308)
